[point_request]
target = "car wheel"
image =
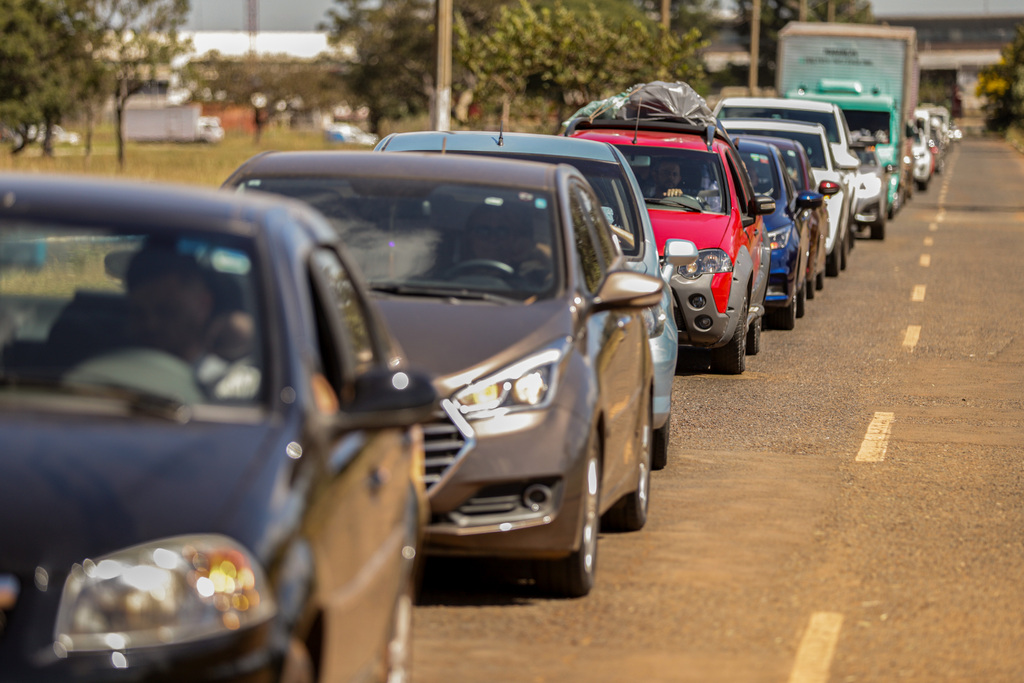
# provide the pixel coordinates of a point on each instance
(819, 281)
(878, 228)
(573, 576)
(844, 252)
(659, 448)
(832, 262)
(810, 289)
(630, 513)
(754, 337)
(783, 318)
(731, 358)
(922, 185)
(801, 298)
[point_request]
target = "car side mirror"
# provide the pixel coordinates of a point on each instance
(384, 398)
(810, 200)
(761, 206)
(828, 188)
(627, 289)
(680, 253)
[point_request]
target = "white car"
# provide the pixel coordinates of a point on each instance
(830, 116)
(924, 161)
(812, 136)
(210, 129)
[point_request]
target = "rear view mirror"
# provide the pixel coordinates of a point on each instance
(680, 253)
(627, 289)
(762, 206)
(383, 398)
(809, 200)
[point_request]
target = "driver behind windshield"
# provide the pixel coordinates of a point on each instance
(504, 235)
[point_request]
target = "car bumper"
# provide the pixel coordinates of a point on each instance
(782, 277)
(515, 489)
(869, 210)
(700, 322)
(664, 354)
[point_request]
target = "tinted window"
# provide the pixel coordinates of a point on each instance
(432, 237)
(825, 118)
(173, 316)
(614, 193)
(759, 168)
(812, 143)
(342, 299)
(874, 123)
(586, 250)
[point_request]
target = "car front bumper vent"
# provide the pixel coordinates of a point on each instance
(445, 441)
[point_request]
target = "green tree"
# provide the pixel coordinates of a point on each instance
(392, 67)
(137, 40)
(1001, 86)
(41, 67)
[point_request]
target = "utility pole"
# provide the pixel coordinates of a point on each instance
(831, 11)
(253, 24)
(803, 10)
(755, 44)
(665, 12)
(441, 116)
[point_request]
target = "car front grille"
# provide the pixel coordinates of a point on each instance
(445, 441)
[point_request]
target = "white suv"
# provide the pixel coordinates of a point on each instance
(823, 163)
(830, 116)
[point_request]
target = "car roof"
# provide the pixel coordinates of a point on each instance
(483, 170)
(513, 143)
(775, 124)
(778, 103)
(156, 205)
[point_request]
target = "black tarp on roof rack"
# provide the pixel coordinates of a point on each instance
(655, 101)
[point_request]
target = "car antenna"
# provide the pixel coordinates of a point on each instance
(444, 144)
(501, 133)
(636, 130)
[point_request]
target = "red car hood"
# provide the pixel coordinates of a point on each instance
(705, 230)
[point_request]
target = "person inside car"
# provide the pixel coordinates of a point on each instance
(504, 235)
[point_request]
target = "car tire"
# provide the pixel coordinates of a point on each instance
(801, 299)
(630, 512)
(810, 288)
(832, 262)
(731, 359)
(754, 336)
(783, 318)
(573, 576)
(659, 447)
(922, 185)
(819, 281)
(844, 252)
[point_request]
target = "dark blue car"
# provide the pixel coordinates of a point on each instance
(788, 228)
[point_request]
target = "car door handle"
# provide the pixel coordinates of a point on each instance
(377, 479)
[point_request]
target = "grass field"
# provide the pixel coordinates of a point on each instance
(192, 164)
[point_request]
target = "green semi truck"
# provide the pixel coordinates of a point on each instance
(871, 72)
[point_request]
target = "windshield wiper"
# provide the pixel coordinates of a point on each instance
(442, 292)
(139, 401)
(668, 201)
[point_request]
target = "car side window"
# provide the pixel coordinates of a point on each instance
(344, 329)
(743, 191)
(587, 251)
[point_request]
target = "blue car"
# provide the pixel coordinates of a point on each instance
(622, 201)
(789, 230)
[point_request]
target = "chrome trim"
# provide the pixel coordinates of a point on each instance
(451, 432)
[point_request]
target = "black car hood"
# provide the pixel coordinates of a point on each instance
(467, 338)
(76, 487)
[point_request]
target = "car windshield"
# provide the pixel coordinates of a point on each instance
(612, 188)
(759, 168)
(825, 118)
(686, 179)
(425, 237)
(150, 315)
(794, 167)
(813, 143)
(867, 156)
(875, 123)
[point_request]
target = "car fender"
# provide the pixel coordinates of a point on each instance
(742, 273)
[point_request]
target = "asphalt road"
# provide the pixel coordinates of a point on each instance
(850, 509)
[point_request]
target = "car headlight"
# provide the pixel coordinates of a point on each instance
(528, 384)
(779, 238)
(654, 319)
(170, 591)
(708, 261)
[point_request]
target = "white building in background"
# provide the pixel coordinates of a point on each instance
(300, 44)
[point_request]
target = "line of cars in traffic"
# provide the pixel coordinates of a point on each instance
(238, 420)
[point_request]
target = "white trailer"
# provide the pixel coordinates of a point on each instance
(165, 124)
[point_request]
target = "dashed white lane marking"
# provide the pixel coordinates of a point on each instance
(818, 647)
(876, 440)
(940, 216)
(912, 336)
(918, 293)
(933, 226)
(929, 242)
(926, 260)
